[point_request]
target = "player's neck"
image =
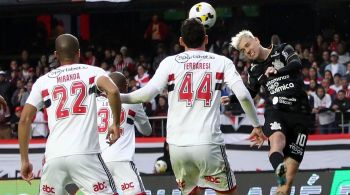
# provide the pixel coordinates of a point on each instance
(66, 63)
(264, 54)
(202, 48)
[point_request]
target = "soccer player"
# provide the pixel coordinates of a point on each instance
(194, 80)
(278, 70)
(119, 156)
(72, 150)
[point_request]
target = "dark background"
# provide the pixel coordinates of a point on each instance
(116, 24)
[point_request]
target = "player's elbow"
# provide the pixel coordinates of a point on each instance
(244, 95)
(112, 91)
(24, 121)
(144, 128)
(148, 131)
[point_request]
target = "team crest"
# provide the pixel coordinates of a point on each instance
(277, 64)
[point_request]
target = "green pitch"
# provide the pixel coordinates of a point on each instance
(20, 187)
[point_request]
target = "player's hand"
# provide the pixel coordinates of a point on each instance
(27, 172)
(114, 133)
(270, 71)
(257, 137)
(225, 100)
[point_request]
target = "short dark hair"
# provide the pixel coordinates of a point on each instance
(66, 46)
(192, 32)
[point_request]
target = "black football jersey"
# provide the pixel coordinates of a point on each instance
(285, 89)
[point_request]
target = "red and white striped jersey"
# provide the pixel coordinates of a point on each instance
(194, 80)
(69, 95)
(124, 148)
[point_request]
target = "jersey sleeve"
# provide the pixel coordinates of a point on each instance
(230, 74)
(235, 83)
(160, 78)
(98, 73)
(141, 120)
(291, 59)
(35, 97)
(152, 88)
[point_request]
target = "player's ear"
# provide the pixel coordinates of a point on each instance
(56, 54)
(206, 40)
(181, 42)
(78, 53)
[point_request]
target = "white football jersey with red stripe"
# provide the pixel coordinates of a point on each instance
(124, 148)
(194, 79)
(69, 94)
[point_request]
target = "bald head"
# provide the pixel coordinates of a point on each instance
(120, 80)
(67, 48)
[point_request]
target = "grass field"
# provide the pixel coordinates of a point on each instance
(20, 187)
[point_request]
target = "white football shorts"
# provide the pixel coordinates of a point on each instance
(87, 171)
(126, 177)
(202, 166)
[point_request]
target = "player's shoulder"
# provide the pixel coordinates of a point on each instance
(218, 57)
(90, 68)
(189, 55)
(283, 47)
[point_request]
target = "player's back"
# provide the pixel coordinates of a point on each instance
(124, 148)
(68, 93)
(195, 81)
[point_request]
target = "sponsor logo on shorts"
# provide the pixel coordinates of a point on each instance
(48, 189)
(127, 186)
(275, 126)
(296, 149)
(211, 179)
(100, 186)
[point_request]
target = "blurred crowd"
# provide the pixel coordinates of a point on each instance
(326, 77)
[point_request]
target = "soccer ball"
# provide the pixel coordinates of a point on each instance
(205, 12)
(160, 166)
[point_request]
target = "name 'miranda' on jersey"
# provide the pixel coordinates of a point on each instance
(68, 77)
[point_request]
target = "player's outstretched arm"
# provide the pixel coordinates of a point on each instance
(152, 88)
(246, 101)
(145, 94)
(106, 84)
(24, 127)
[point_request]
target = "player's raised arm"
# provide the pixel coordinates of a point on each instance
(293, 62)
(235, 83)
(106, 84)
(152, 88)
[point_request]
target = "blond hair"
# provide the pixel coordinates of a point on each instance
(238, 37)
